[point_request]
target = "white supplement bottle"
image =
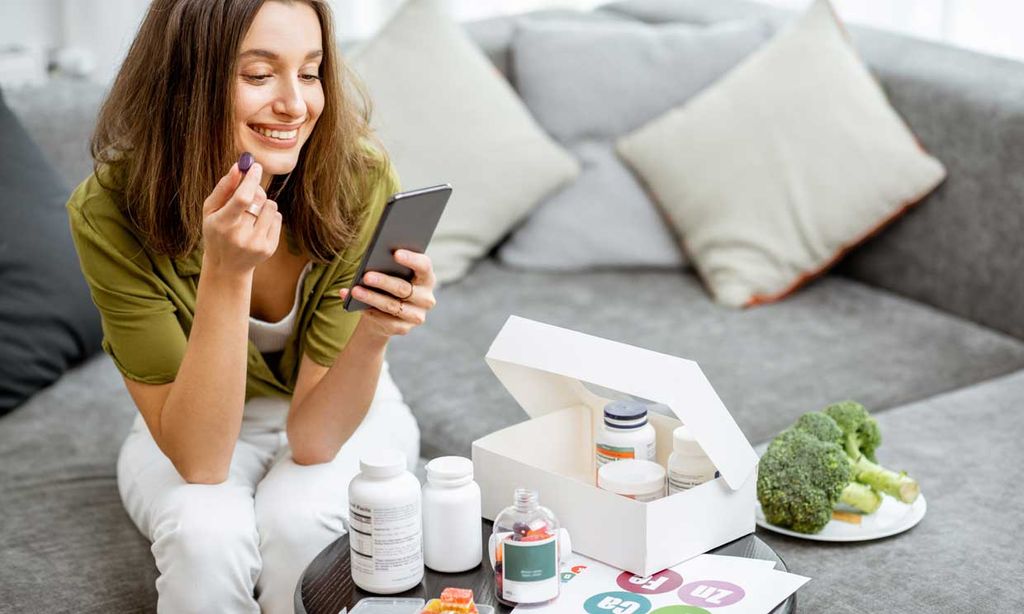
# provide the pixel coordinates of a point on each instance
(688, 466)
(642, 480)
(451, 516)
(385, 524)
(625, 434)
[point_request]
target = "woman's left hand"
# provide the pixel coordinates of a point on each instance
(397, 306)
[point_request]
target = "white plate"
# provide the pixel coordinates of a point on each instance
(891, 518)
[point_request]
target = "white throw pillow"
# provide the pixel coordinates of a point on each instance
(445, 115)
(774, 172)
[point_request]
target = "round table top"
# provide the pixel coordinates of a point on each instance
(326, 585)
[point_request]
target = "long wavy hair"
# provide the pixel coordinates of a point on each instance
(166, 131)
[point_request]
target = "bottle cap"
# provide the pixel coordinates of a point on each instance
(382, 463)
(625, 414)
(450, 471)
(684, 444)
(631, 477)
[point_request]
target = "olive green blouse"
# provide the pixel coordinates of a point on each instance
(147, 300)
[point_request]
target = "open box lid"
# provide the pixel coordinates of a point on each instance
(541, 366)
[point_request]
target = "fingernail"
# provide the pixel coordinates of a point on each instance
(371, 278)
(343, 292)
(245, 161)
(402, 255)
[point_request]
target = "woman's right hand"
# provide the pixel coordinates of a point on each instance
(234, 240)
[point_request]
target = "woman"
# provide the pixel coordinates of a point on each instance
(222, 306)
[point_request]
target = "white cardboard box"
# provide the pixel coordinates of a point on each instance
(543, 367)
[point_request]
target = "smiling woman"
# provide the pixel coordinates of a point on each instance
(221, 286)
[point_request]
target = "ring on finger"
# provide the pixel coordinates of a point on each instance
(412, 289)
(254, 209)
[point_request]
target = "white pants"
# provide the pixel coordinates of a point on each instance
(241, 546)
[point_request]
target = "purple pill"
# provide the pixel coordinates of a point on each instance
(245, 162)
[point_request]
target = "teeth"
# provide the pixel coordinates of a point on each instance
(277, 134)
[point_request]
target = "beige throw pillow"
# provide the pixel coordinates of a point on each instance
(794, 157)
(445, 115)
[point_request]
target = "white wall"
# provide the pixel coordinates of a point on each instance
(93, 35)
(989, 26)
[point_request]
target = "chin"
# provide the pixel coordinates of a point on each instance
(275, 162)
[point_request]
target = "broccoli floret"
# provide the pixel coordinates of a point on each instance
(861, 431)
(861, 437)
(800, 480)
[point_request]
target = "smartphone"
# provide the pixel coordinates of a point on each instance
(408, 222)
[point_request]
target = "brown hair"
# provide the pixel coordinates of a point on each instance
(166, 131)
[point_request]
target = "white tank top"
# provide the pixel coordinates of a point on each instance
(272, 336)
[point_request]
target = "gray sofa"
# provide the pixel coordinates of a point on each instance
(924, 324)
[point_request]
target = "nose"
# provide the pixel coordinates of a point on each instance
(289, 100)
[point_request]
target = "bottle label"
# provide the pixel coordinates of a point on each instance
(678, 481)
(386, 544)
(607, 453)
(529, 570)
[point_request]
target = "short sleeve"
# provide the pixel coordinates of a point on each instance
(331, 326)
(141, 332)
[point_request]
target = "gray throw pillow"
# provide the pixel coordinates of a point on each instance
(47, 320)
(587, 84)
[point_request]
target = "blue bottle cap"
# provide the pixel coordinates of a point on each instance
(625, 414)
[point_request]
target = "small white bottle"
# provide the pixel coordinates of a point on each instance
(386, 525)
(626, 434)
(688, 466)
(452, 539)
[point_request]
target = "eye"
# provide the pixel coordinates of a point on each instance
(256, 78)
(310, 78)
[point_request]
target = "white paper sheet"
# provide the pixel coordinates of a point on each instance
(706, 584)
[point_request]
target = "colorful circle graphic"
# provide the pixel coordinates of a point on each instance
(654, 584)
(711, 593)
(680, 609)
(617, 602)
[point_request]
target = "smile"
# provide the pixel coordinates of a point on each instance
(281, 135)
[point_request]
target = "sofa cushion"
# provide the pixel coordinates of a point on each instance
(767, 188)
(446, 116)
(838, 339)
(588, 83)
(67, 543)
(963, 448)
(60, 116)
(967, 107)
(47, 320)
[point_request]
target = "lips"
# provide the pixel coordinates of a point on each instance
(276, 136)
(281, 133)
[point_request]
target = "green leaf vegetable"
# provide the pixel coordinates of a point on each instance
(820, 462)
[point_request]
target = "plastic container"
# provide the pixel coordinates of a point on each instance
(625, 434)
(526, 555)
(451, 516)
(378, 605)
(688, 466)
(642, 480)
(386, 525)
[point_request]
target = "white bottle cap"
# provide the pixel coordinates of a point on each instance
(684, 444)
(385, 463)
(631, 476)
(450, 471)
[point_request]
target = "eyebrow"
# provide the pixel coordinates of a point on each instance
(270, 55)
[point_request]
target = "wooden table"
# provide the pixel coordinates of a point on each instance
(326, 584)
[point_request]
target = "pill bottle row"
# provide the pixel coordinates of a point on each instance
(626, 456)
(396, 527)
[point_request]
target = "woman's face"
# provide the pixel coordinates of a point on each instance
(278, 95)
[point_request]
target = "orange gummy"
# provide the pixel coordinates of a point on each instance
(452, 601)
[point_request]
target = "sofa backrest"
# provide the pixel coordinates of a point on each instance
(960, 249)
